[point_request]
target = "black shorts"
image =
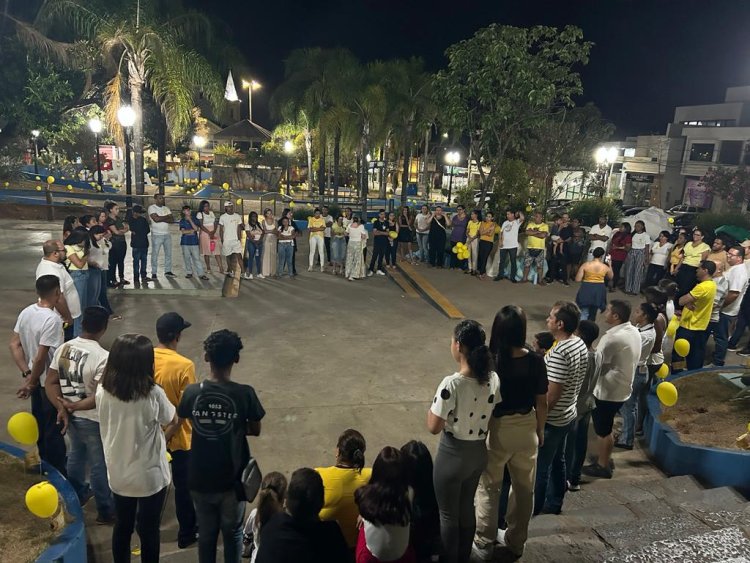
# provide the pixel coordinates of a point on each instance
(603, 416)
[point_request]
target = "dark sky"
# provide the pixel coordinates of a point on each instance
(650, 55)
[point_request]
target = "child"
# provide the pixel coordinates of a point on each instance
(189, 245)
(139, 231)
(270, 501)
(543, 341)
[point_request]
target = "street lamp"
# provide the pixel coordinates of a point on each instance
(96, 127)
(605, 158)
(35, 136)
(199, 141)
(288, 150)
(126, 117)
(451, 159)
(252, 85)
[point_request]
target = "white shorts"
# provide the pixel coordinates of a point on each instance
(230, 247)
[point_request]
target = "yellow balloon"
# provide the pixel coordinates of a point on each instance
(37, 178)
(454, 250)
(667, 393)
(42, 499)
(672, 327)
(528, 208)
(69, 187)
(50, 179)
(6, 184)
(663, 371)
(39, 188)
(225, 186)
(23, 427)
(374, 219)
(169, 457)
(239, 201)
(670, 220)
(393, 234)
(62, 177)
(291, 204)
(682, 347)
(85, 202)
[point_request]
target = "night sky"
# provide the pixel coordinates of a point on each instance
(649, 55)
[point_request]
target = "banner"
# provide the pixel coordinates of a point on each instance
(697, 194)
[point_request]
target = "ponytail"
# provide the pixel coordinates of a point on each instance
(471, 338)
(351, 445)
(271, 497)
(480, 362)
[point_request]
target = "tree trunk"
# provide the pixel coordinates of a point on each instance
(322, 167)
(336, 162)
(308, 148)
(136, 102)
(162, 153)
(407, 162)
(381, 176)
(365, 179)
(425, 179)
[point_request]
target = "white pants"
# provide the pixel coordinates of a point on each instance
(317, 244)
(473, 254)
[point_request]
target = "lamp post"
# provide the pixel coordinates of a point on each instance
(288, 150)
(126, 117)
(252, 85)
(451, 159)
(35, 136)
(605, 158)
(199, 141)
(96, 127)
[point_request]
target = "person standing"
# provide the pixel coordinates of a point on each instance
(68, 305)
(391, 254)
(459, 222)
(77, 253)
(640, 248)
(38, 333)
(423, 221)
(487, 231)
(575, 248)
(316, 226)
(161, 218)
(658, 259)
(379, 243)
(173, 373)
(139, 231)
(230, 233)
(222, 414)
(73, 376)
(693, 253)
(119, 250)
(189, 245)
(561, 251)
(617, 355)
(718, 253)
(509, 245)
(355, 261)
(536, 233)
(696, 314)
(132, 411)
(338, 246)
(722, 288)
(269, 227)
(99, 264)
(737, 277)
(285, 248)
(328, 220)
(618, 253)
(405, 235)
(592, 294)
(437, 236)
(253, 246)
(675, 255)
(472, 240)
(567, 362)
(599, 236)
(209, 240)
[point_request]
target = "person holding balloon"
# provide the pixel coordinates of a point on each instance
(472, 241)
(393, 232)
(696, 314)
(459, 223)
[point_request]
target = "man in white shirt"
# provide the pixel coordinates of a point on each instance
(72, 379)
(160, 216)
(617, 353)
(328, 218)
(230, 232)
(36, 336)
(52, 264)
(737, 277)
(422, 221)
(509, 244)
(599, 236)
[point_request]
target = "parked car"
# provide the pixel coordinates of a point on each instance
(685, 208)
(686, 220)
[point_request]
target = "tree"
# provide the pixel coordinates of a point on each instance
(732, 184)
(512, 187)
(503, 82)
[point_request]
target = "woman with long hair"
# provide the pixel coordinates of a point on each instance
(675, 255)
(119, 249)
(285, 248)
(132, 410)
(338, 246)
(270, 501)
(515, 431)
(270, 229)
(592, 294)
(693, 253)
(472, 240)
(460, 413)
(640, 247)
(99, 254)
(342, 480)
(209, 239)
(70, 223)
(425, 516)
(77, 246)
(254, 246)
(618, 251)
(391, 253)
(355, 260)
(658, 259)
(385, 506)
(487, 231)
(405, 234)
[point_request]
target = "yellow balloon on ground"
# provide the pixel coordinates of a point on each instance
(69, 187)
(23, 428)
(85, 202)
(42, 499)
(393, 234)
(225, 186)
(667, 393)
(663, 371)
(682, 347)
(50, 179)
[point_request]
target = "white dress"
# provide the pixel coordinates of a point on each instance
(268, 266)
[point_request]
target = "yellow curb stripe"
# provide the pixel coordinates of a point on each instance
(403, 283)
(440, 300)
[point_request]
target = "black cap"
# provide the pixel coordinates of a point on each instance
(169, 326)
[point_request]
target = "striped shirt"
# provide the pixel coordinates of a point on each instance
(566, 363)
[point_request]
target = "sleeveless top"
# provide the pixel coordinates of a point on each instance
(594, 277)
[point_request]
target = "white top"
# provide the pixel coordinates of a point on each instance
(208, 220)
(738, 281)
(80, 364)
(669, 309)
(388, 542)
(287, 232)
(618, 353)
(329, 221)
(356, 233)
(722, 287)
(134, 446)
(254, 232)
(100, 255)
(347, 222)
(268, 227)
(648, 337)
(158, 228)
(230, 224)
(640, 241)
(466, 405)
(510, 233)
(567, 363)
(39, 326)
(606, 230)
(47, 267)
(660, 253)
(423, 222)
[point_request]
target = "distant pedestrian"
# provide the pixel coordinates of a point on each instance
(737, 277)
(422, 221)
(269, 261)
(210, 243)
(621, 242)
(189, 245)
(119, 249)
(658, 259)
(379, 243)
(472, 241)
(599, 236)
(285, 248)
(393, 227)
(693, 253)
(139, 231)
(487, 231)
(316, 227)
(254, 246)
(405, 234)
(459, 222)
(640, 248)
(98, 266)
(437, 237)
(536, 233)
(230, 233)
(328, 221)
(161, 217)
(338, 246)
(355, 261)
(70, 223)
(592, 294)
(77, 251)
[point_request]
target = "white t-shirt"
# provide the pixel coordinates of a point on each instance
(207, 220)
(134, 446)
(423, 222)
(738, 281)
(100, 255)
(388, 542)
(39, 326)
(617, 353)
(158, 228)
(466, 405)
(648, 337)
(287, 232)
(660, 253)
(356, 234)
(49, 268)
(510, 233)
(606, 230)
(329, 221)
(640, 241)
(80, 364)
(567, 363)
(230, 224)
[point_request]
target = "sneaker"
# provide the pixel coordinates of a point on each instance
(309, 269)
(732, 349)
(183, 543)
(350, 278)
(381, 273)
(370, 273)
(188, 276)
(124, 282)
(144, 279)
(498, 278)
(105, 520)
(204, 277)
(745, 353)
(574, 487)
(260, 276)
(500, 539)
(482, 553)
(596, 470)
(170, 275)
(322, 270)
(247, 276)
(594, 458)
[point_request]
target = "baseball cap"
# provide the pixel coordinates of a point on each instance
(228, 203)
(169, 326)
(745, 244)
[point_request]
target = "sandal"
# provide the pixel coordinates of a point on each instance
(116, 317)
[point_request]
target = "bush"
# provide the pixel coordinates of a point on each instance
(588, 211)
(709, 222)
(302, 212)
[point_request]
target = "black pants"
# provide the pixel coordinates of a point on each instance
(117, 260)
(654, 273)
(390, 257)
(327, 244)
(559, 267)
(686, 281)
(616, 267)
(511, 254)
(51, 443)
(455, 262)
(294, 259)
(143, 514)
(379, 251)
(436, 241)
(183, 502)
(485, 247)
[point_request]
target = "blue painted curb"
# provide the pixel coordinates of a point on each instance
(716, 467)
(70, 545)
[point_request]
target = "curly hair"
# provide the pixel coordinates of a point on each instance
(223, 348)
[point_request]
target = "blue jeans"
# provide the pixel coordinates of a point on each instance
(215, 512)
(157, 242)
(721, 339)
(575, 448)
(424, 246)
(86, 450)
(81, 281)
(550, 488)
(589, 313)
(633, 410)
(94, 287)
(103, 298)
(139, 262)
(285, 259)
(192, 257)
(254, 254)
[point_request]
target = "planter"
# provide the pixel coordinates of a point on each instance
(70, 545)
(717, 467)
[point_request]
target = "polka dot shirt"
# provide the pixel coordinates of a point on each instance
(466, 405)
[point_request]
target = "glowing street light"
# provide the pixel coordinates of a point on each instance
(288, 150)
(199, 141)
(35, 136)
(451, 159)
(252, 85)
(605, 158)
(126, 117)
(96, 127)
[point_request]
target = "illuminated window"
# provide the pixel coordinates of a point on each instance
(702, 152)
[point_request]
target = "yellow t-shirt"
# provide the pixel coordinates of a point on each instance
(692, 254)
(699, 318)
(490, 229)
(536, 243)
(316, 223)
(81, 253)
(674, 256)
(339, 484)
(173, 373)
(473, 228)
